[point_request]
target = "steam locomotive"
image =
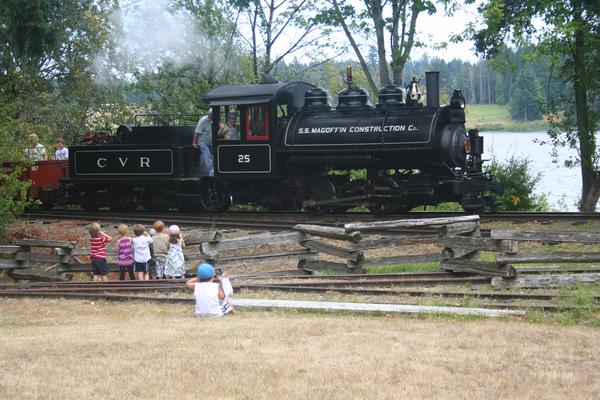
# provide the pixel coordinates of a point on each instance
(295, 151)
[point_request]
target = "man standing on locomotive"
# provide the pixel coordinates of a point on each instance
(202, 140)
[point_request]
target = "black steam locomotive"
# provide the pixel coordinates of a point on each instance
(294, 151)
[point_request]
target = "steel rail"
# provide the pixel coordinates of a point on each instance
(181, 300)
(404, 292)
(278, 221)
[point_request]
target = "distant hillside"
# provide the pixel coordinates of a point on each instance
(492, 117)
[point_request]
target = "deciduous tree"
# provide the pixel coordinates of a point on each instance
(278, 28)
(393, 24)
(570, 39)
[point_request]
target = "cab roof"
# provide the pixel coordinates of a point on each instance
(291, 94)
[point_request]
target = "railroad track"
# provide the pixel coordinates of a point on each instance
(285, 220)
(126, 296)
(364, 285)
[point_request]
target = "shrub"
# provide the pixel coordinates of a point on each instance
(519, 185)
(13, 189)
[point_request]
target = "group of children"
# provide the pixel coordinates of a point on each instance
(160, 255)
(142, 256)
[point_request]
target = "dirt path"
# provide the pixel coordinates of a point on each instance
(58, 349)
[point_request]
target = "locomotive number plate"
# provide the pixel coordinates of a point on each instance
(124, 162)
(244, 159)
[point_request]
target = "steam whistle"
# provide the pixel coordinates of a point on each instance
(413, 94)
(457, 107)
(457, 101)
(349, 76)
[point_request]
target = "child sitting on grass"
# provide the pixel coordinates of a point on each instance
(98, 240)
(125, 253)
(211, 292)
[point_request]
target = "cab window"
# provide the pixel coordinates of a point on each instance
(257, 122)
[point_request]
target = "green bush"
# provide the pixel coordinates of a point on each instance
(13, 189)
(519, 185)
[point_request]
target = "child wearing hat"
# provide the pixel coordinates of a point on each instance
(175, 263)
(211, 292)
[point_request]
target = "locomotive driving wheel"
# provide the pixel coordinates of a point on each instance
(383, 185)
(321, 189)
(214, 197)
(89, 202)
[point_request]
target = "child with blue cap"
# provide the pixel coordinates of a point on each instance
(211, 292)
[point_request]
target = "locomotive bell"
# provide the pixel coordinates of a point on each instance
(316, 100)
(390, 96)
(413, 94)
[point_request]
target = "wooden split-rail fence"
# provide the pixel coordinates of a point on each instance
(459, 238)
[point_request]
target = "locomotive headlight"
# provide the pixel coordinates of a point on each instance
(467, 145)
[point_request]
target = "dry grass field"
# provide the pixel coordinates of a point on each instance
(75, 349)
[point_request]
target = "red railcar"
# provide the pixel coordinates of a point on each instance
(45, 177)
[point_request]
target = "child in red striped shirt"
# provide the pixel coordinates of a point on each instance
(98, 240)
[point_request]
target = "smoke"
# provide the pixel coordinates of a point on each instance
(154, 33)
(148, 34)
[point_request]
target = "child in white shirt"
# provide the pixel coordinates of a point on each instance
(211, 292)
(141, 252)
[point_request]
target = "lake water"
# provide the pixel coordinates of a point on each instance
(561, 185)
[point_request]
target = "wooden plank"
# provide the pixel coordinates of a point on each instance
(544, 281)
(82, 252)
(9, 249)
(77, 267)
(197, 236)
(548, 257)
(330, 232)
(35, 275)
(558, 269)
(479, 267)
(409, 259)
(46, 243)
(348, 254)
(10, 264)
(459, 228)
(408, 223)
(319, 266)
(263, 261)
(372, 307)
(387, 241)
(41, 257)
(478, 244)
(545, 236)
(267, 239)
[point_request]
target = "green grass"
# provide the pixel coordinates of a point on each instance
(576, 303)
(493, 117)
(442, 207)
(417, 267)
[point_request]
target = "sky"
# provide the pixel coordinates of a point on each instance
(439, 28)
(177, 39)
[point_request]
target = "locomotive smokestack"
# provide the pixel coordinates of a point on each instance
(432, 80)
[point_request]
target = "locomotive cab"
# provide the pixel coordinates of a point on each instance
(242, 139)
(260, 113)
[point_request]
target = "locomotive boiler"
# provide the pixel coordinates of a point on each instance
(293, 150)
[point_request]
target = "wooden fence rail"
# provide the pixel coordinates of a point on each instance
(459, 238)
